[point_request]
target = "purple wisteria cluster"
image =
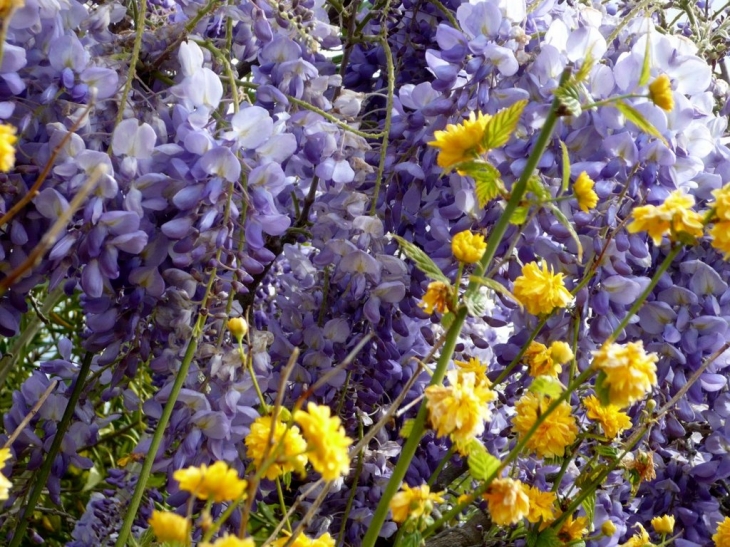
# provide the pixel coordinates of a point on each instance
(252, 159)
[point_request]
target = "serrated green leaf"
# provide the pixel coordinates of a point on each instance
(536, 186)
(496, 286)
(481, 463)
(569, 98)
(589, 505)
(531, 537)
(586, 67)
(568, 226)
(566, 168)
(500, 127)
(413, 539)
(601, 389)
(407, 428)
(422, 261)
(606, 451)
(547, 385)
(548, 538)
(519, 215)
(487, 180)
(447, 319)
(635, 117)
(646, 65)
(476, 303)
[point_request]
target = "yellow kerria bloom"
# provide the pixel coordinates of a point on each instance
(460, 142)
(508, 501)
(230, 541)
(663, 525)
(540, 290)
(217, 482)
(544, 361)
(287, 443)
(660, 93)
(630, 371)
(460, 409)
(169, 527)
(7, 144)
(583, 190)
(478, 368)
(542, 505)
(612, 420)
(553, 435)
(722, 536)
(325, 540)
(672, 217)
(326, 440)
(5, 484)
(413, 503)
(722, 202)
(640, 539)
(468, 247)
(573, 529)
(436, 298)
(720, 234)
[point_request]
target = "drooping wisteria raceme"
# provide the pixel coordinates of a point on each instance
(305, 272)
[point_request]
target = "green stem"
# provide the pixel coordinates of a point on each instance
(45, 471)
(388, 117)
(139, 30)
(282, 503)
(441, 465)
(608, 102)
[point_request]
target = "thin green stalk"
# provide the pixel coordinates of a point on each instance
(42, 477)
(282, 504)
(388, 119)
(139, 32)
(353, 489)
(450, 452)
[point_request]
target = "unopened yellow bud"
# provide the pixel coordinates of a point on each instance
(608, 528)
(238, 327)
(663, 525)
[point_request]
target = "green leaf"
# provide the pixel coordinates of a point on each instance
(568, 226)
(500, 127)
(481, 463)
(606, 451)
(487, 180)
(566, 168)
(496, 286)
(548, 538)
(476, 303)
(413, 539)
(447, 320)
(589, 505)
(536, 186)
(407, 428)
(646, 65)
(635, 117)
(519, 215)
(601, 389)
(586, 67)
(422, 260)
(569, 98)
(547, 385)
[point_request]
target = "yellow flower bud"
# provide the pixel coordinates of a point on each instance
(238, 327)
(663, 525)
(608, 528)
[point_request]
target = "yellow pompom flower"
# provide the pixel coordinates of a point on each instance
(639, 539)
(583, 190)
(544, 361)
(468, 247)
(720, 234)
(722, 202)
(413, 503)
(327, 442)
(540, 290)
(660, 93)
(460, 409)
(325, 540)
(460, 142)
(230, 541)
(507, 501)
(478, 368)
(217, 482)
(542, 505)
(630, 372)
(573, 529)
(663, 525)
(7, 145)
(436, 298)
(238, 327)
(722, 536)
(672, 217)
(561, 352)
(289, 445)
(554, 434)
(5, 484)
(169, 527)
(612, 420)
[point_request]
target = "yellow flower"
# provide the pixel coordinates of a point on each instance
(720, 234)
(540, 290)
(326, 440)
(460, 142)
(561, 352)
(460, 409)
(722, 536)
(325, 540)
(436, 298)
(217, 482)
(573, 529)
(612, 420)
(660, 92)
(413, 503)
(238, 327)
(722, 202)
(672, 217)
(508, 501)
(643, 464)
(640, 539)
(630, 372)
(5, 484)
(291, 454)
(230, 541)
(542, 505)
(583, 190)
(169, 526)
(608, 528)
(663, 525)
(467, 247)
(544, 361)
(558, 431)
(478, 368)
(7, 140)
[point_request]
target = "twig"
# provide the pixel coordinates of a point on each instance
(31, 414)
